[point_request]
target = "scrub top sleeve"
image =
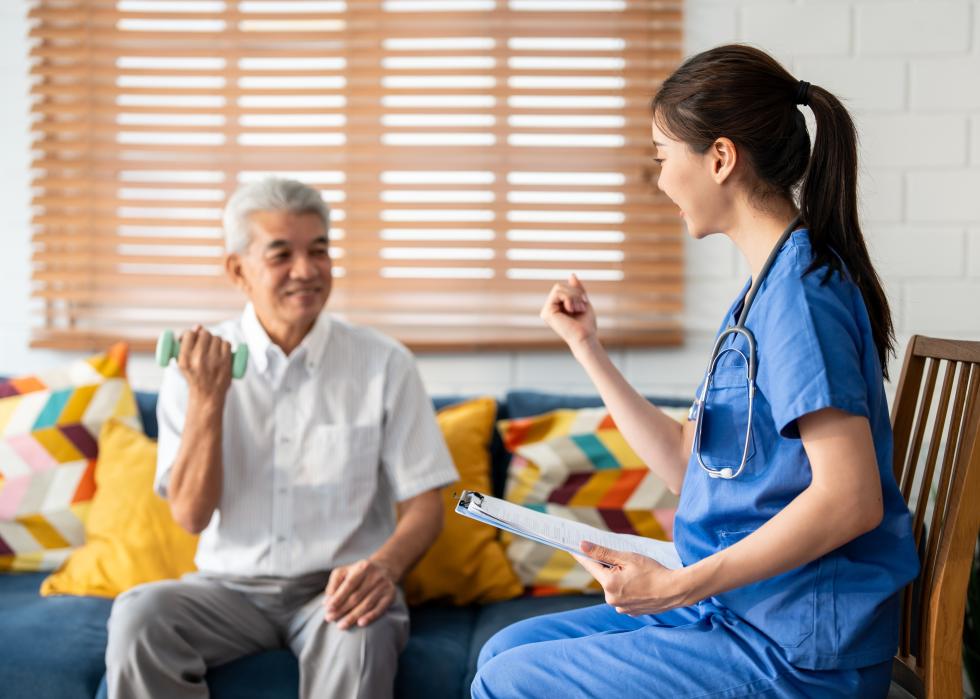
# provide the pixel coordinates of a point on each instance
(810, 347)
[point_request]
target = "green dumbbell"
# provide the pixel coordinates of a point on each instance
(168, 347)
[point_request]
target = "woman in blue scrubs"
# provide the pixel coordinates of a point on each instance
(794, 556)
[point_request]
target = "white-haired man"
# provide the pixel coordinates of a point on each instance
(292, 476)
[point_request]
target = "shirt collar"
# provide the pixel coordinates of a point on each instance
(260, 346)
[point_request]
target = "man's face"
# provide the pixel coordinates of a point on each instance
(285, 271)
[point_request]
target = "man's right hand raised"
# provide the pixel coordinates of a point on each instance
(205, 362)
(196, 477)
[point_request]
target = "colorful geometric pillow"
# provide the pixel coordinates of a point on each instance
(49, 427)
(130, 535)
(576, 464)
(467, 562)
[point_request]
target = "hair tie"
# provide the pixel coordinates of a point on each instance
(803, 93)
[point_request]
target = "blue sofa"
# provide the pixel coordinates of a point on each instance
(52, 648)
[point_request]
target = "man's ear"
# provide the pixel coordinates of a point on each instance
(722, 157)
(233, 268)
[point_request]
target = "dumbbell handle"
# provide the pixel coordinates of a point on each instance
(168, 347)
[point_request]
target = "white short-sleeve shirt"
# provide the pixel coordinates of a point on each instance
(317, 448)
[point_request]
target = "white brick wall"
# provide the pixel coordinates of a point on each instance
(944, 195)
(973, 253)
(788, 30)
(908, 70)
(975, 140)
(945, 85)
(899, 252)
(911, 140)
(912, 28)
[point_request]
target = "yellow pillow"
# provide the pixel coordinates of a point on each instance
(467, 562)
(130, 536)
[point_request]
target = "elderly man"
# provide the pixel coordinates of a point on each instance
(292, 476)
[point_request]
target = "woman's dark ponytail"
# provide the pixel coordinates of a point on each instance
(828, 205)
(744, 94)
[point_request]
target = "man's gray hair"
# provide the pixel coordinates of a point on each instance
(270, 194)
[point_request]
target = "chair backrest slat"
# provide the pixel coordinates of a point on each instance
(918, 432)
(947, 485)
(947, 499)
(935, 442)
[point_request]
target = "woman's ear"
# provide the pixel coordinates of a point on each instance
(722, 157)
(233, 268)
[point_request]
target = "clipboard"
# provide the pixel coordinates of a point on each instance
(558, 532)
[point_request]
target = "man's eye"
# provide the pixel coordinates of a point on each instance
(319, 252)
(658, 161)
(280, 257)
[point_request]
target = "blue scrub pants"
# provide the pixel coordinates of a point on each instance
(699, 651)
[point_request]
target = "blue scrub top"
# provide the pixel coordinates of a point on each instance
(814, 350)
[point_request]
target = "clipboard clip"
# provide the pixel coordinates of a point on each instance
(469, 496)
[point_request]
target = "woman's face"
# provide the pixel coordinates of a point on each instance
(686, 177)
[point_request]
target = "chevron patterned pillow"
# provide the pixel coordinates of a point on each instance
(49, 428)
(576, 464)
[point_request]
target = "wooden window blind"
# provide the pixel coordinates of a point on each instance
(472, 152)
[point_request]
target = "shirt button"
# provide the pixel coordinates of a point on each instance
(280, 539)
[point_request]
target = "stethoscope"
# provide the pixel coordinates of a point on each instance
(750, 366)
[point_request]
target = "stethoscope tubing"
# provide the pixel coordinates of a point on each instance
(750, 364)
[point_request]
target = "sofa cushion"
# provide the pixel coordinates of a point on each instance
(434, 663)
(52, 648)
(146, 401)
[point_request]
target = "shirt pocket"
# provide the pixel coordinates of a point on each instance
(725, 415)
(343, 457)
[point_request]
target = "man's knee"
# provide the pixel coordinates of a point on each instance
(138, 616)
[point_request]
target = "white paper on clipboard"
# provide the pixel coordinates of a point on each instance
(558, 532)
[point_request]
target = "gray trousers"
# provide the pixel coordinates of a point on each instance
(164, 636)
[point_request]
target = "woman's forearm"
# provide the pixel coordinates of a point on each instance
(817, 521)
(656, 438)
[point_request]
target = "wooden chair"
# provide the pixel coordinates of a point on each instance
(929, 659)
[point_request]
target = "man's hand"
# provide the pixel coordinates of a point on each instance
(358, 593)
(635, 584)
(205, 362)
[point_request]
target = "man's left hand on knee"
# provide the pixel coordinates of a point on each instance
(359, 593)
